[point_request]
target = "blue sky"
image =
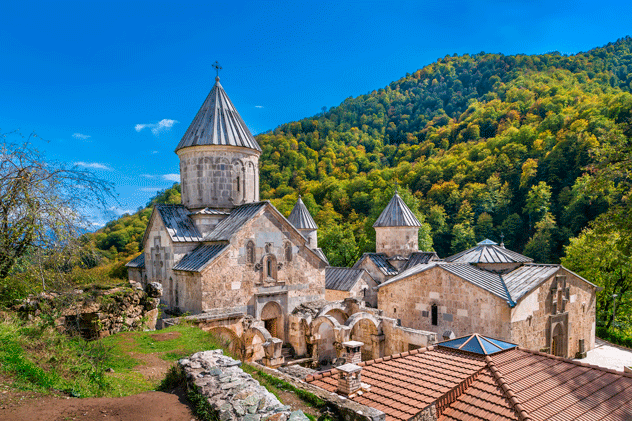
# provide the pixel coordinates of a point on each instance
(114, 85)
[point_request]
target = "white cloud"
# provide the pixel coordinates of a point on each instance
(171, 177)
(258, 106)
(118, 211)
(157, 128)
(149, 176)
(80, 136)
(151, 189)
(93, 165)
(98, 224)
(154, 152)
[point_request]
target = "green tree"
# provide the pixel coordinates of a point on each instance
(604, 259)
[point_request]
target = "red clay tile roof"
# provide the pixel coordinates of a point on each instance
(516, 384)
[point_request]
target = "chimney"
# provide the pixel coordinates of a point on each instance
(349, 380)
(353, 354)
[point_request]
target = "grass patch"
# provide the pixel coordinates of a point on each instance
(39, 358)
(274, 385)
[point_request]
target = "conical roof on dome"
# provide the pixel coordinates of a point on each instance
(397, 214)
(300, 216)
(488, 251)
(218, 123)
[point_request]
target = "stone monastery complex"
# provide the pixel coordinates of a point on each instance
(259, 280)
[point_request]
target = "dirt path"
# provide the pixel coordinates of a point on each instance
(148, 406)
(16, 405)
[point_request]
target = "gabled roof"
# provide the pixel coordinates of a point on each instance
(218, 123)
(200, 257)
(231, 224)
(420, 258)
(397, 214)
(300, 216)
(342, 279)
(489, 281)
(240, 215)
(525, 278)
(488, 252)
(137, 262)
(381, 261)
(178, 224)
(484, 279)
(511, 384)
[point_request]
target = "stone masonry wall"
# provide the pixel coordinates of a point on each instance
(218, 176)
(233, 394)
(233, 282)
(462, 307)
(530, 318)
(396, 240)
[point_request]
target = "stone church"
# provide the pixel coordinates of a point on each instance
(223, 252)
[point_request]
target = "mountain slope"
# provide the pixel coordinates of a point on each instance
(479, 146)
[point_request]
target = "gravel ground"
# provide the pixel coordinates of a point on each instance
(609, 356)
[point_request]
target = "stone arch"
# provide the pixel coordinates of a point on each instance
(269, 268)
(338, 314)
(253, 340)
(558, 340)
(272, 317)
(327, 309)
(324, 328)
(355, 318)
(228, 337)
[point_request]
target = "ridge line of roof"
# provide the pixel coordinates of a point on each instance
(512, 303)
(575, 362)
(448, 398)
(506, 389)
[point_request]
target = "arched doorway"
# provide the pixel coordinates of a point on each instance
(558, 339)
(272, 317)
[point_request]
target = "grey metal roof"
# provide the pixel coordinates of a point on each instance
(137, 262)
(421, 257)
(523, 279)
(381, 261)
(300, 216)
(484, 252)
(489, 281)
(209, 211)
(178, 224)
(397, 214)
(321, 254)
(410, 271)
(232, 223)
(218, 123)
(342, 279)
(200, 257)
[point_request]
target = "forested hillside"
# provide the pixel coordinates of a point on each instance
(478, 146)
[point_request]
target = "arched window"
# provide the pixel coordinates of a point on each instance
(250, 252)
(269, 269)
(288, 252)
